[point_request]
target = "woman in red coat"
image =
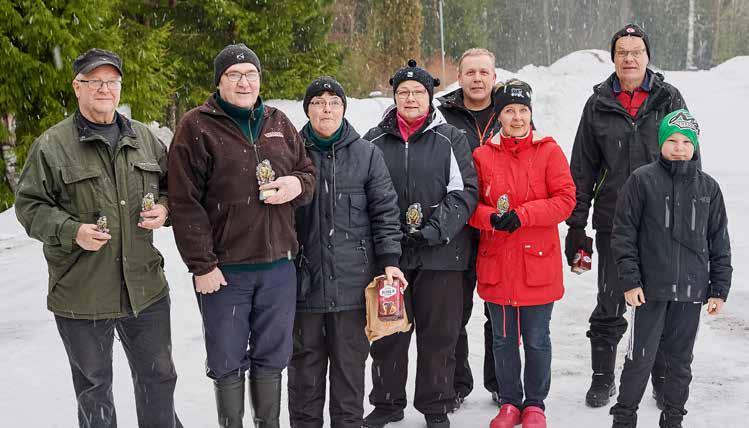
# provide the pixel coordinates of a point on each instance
(525, 191)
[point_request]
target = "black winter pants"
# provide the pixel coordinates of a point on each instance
(435, 305)
(336, 338)
(463, 381)
(672, 327)
(147, 342)
(607, 323)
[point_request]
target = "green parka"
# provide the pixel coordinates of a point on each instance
(73, 176)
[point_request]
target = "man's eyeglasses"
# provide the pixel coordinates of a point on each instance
(235, 76)
(403, 94)
(635, 53)
(96, 84)
(334, 104)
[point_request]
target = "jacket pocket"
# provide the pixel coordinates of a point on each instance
(82, 187)
(539, 269)
(148, 172)
(358, 215)
(488, 269)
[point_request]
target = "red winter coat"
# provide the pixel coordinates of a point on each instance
(532, 177)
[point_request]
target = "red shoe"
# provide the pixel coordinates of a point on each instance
(534, 417)
(508, 417)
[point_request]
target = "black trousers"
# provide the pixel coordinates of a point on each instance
(607, 322)
(490, 376)
(672, 328)
(320, 339)
(435, 304)
(463, 381)
(147, 342)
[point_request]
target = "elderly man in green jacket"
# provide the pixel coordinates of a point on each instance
(93, 190)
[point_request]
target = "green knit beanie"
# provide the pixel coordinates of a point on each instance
(680, 121)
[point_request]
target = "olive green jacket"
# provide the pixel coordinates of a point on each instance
(73, 176)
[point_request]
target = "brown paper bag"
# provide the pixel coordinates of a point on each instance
(376, 328)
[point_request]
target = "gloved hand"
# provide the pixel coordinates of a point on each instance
(508, 222)
(575, 240)
(414, 240)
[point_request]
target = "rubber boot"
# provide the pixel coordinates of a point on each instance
(265, 397)
(602, 387)
(230, 401)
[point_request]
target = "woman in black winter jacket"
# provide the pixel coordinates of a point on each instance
(673, 254)
(348, 234)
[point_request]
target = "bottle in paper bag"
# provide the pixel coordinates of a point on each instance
(389, 300)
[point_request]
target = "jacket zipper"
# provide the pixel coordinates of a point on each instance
(600, 185)
(668, 213)
(408, 201)
(694, 213)
(267, 208)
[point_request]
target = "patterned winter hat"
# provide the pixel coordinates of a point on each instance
(412, 72)
(513, 91)
(680, 121)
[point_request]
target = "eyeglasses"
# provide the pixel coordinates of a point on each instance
(235, 76)
(635, 53)
(96, 84)
(403, 94)
(333, 104)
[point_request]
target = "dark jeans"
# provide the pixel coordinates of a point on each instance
(319, 338)
(534, 330)
(147, 342)
(670, 327)
(247, 324)
(435, 305)
(463, 382)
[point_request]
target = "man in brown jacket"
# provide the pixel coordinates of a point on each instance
(239, 171)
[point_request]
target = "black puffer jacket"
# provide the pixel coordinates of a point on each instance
(670, 234)
(350, 231)
(435, 169)
(610, 144)
(455, 112)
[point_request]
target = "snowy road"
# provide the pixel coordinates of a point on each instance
(37, 391)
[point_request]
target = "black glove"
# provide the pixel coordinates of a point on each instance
(508, 222)
(414, 240)
(576, 239)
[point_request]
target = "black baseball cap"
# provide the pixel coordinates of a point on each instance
(95, 57)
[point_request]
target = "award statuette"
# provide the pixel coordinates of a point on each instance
(147, 203)
(414, 216)
(102, 225)
(265, 175)
(503, 204)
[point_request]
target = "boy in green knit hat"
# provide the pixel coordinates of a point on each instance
(672, 250)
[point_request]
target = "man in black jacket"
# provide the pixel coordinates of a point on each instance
(470, 108)
(348, 234)
(432, 171)
(671, 245)
(616, 135)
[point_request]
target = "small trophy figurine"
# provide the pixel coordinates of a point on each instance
(101, 224)
(414, 216)
(147, 203)
(503, 204)
(265, 175)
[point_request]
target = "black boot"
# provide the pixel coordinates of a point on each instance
(602, 387)
(265, 397)
(671, 418)
(380, 417)
(230, 401)
(437, 421)
(623, 418)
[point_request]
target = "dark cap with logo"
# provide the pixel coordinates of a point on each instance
(94, 58)
(630, 30)
(321, 85)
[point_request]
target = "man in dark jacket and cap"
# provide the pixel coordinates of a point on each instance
(617, 134)
(432, 170)
(239, 169)
(348, 234)
(92, 191)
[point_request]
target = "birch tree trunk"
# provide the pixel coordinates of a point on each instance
(690, 37)
(9, 150)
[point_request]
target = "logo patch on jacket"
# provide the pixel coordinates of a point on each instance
(273, 134)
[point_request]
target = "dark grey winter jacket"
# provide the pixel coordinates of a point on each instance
(350, 231)
(435, 169)
(610, 144)
(670, 234)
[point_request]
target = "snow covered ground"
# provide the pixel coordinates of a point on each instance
(37, 390)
